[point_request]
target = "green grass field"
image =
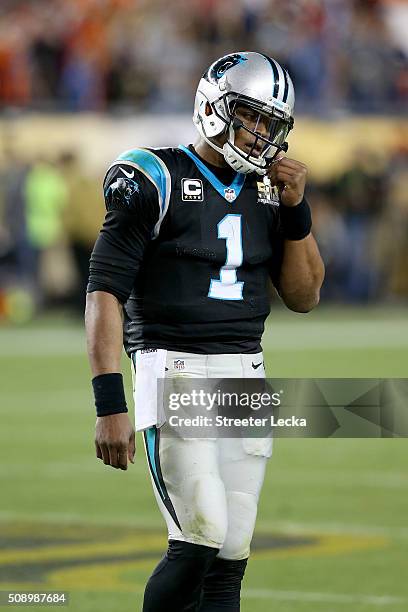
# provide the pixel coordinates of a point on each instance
(332, 532)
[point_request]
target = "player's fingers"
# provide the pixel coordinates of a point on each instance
(278, 171)
(105, 454)
(98, 450)
(286, 162)
(132, 447)
(298, 174)
(272, 175)
(122, 457)
(113, 455)
(284, 177)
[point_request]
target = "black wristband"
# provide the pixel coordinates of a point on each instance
(296, 220)
(109, 394)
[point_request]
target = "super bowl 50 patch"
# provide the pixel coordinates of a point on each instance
(267, 194)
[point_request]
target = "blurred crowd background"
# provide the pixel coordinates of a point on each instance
(116, 58)
(146, 54)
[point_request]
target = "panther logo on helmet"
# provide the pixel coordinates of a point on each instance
(218, 69)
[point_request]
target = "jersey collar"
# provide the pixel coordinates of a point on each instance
(226, 191)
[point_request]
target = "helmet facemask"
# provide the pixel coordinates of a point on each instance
(242, 112)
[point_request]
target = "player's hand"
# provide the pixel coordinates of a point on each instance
(289, 176)
(115, 440)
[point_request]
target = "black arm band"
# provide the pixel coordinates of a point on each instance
(109, 394)
(296, 220)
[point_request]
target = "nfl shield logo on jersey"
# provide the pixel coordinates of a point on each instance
(179, 364)
(230, 194)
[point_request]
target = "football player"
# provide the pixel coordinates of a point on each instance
(180, 273)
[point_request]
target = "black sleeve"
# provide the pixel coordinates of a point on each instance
(132, 212)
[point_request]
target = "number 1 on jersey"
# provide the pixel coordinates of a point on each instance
(228, 288)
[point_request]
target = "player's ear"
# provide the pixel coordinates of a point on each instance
(208, 109)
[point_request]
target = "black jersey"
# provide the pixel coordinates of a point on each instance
(189, 256)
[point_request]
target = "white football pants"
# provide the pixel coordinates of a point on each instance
(206, 489)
